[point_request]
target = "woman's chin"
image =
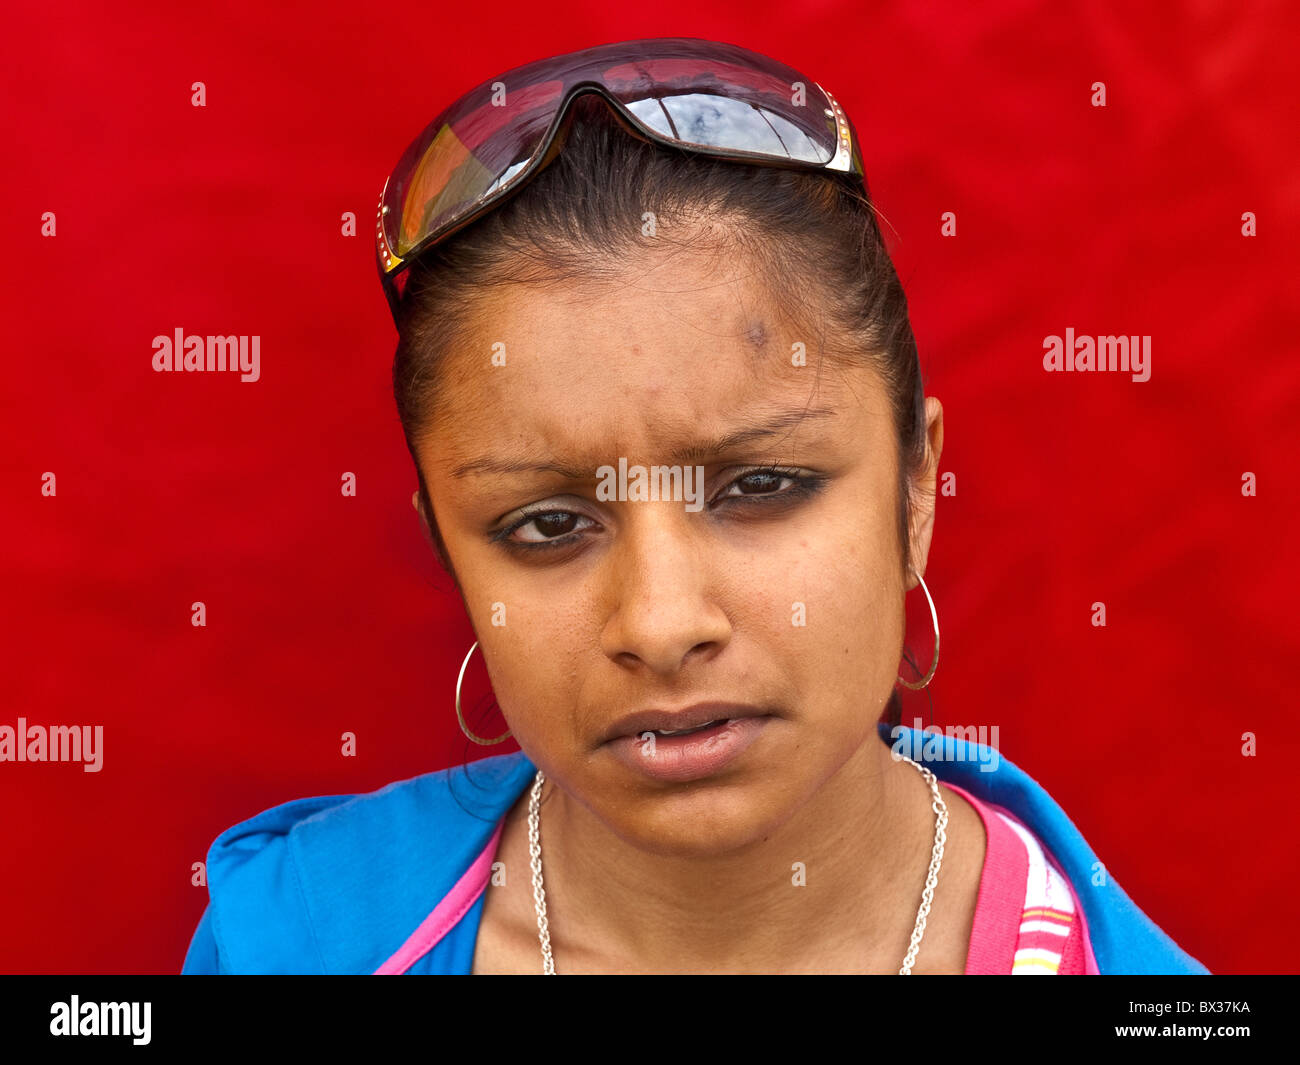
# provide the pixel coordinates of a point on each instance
(712, 821)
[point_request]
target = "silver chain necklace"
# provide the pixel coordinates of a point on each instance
(937, 804)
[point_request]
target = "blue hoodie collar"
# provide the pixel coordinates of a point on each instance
(349, 878)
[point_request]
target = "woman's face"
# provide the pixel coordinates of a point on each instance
(778, 593)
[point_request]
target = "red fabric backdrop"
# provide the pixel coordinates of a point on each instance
(326, 614)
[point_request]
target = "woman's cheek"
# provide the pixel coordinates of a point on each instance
(852, 593)
(536, 682)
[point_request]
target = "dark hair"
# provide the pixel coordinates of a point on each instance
(581, 217)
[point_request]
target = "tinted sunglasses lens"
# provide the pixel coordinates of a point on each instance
(463, 157)
(726, 107)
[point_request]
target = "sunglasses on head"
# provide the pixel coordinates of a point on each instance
(717, 99)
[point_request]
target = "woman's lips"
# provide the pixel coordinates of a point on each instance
(690, 756)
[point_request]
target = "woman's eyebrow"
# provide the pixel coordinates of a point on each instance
(687, 455)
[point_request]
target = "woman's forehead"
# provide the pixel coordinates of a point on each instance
(694, 337)
(650, 361)
(559, 449)
(655, 416)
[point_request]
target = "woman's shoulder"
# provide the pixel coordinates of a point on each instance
(1123, 938)
(336, 883)
(1028, 920)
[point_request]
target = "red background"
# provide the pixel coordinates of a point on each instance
(327, 614)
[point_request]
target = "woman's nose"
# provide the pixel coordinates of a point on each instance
(663, 585)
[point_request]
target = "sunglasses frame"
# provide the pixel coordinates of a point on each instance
(847, 160)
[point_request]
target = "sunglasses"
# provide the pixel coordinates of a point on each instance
(716, 99)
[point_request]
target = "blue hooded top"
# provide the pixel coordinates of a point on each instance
(339, 883)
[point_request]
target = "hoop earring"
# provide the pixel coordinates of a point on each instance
(934, 617)
(460, 717)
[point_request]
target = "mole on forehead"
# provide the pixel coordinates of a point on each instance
(754, 332)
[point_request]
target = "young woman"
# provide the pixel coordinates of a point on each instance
(657, 377)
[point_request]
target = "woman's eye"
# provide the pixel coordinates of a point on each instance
(558, 528)
(549, 525)
(758, 482)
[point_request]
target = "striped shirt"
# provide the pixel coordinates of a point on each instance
(1028, 921)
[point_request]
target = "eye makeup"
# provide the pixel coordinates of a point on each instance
(802, 485)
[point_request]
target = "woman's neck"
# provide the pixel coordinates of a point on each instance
(834, 888)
